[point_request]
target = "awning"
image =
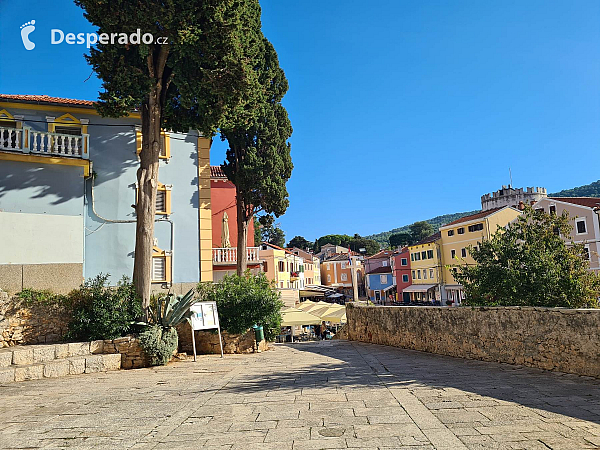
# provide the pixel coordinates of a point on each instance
(294, 316)
(389, 287)
(336, 295)
(453, 287)
(418, 287)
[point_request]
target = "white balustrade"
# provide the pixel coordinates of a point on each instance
(229, 255)
(27, 140)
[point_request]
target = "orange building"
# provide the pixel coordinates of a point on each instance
(336, 273)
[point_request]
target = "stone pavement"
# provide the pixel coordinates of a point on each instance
(335, 394)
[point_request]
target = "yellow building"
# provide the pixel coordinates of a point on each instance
(426, 269)
(467, 232)
(279, 265)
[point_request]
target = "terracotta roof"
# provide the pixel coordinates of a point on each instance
(217, 172)
(382, 253)
(590, 202)
(434, 237)
(479, 215)
(341, 257)
(47, 99)
(275, 246)
(382, 269)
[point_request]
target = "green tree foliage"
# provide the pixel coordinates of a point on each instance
(258, 160)
(587, 190)
(401, 239)
(245, 301)
(354, 243)
(421, 230)
(159, 343)
(271, 232)
(103, 312)
(203, 77)
(342, 240)
(529, 263)
(357, 243)
(300, 242)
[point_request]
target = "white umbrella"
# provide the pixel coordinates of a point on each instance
(225, 242)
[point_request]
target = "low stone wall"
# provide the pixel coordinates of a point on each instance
(39, 324)
(208, 341)
(566, 340)
(132, 354)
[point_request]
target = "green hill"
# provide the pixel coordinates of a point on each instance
(436, 222)
(587, 190)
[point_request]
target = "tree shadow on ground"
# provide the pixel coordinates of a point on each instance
(354, 365)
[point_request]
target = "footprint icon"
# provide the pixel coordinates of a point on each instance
(26, 30)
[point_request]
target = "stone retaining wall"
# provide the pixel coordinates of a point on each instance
(208, 341)
(132, 354)
(566, 340)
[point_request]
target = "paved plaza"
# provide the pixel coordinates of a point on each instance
(326, 395)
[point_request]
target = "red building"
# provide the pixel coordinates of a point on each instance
(402, 274)
(222, 196)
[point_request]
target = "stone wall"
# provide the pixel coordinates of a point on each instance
(132, 354)
(39, 324)
(208, 341)
(566, 340)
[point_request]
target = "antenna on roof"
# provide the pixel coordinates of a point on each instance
(510, 175)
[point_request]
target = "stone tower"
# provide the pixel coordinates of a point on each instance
(509, 196)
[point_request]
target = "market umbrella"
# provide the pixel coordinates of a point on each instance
(316, 305)
(293, 316)
(307, 304)
(225, 242)
(326, 310)
(338, 316)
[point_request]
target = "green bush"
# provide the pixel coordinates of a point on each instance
(103, 312)
(159, 343)
(245, 301)
(46, 298)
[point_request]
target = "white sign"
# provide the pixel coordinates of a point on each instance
(205, 317)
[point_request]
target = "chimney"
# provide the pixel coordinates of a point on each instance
(521, 206)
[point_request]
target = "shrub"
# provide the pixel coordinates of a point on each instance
(46, 298)
(159, 343)
(103, 312)
(245, 301)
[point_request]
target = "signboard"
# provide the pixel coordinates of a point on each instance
(205, 317)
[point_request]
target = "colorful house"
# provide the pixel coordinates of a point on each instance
(277, 263)
(379, 277)
(312, 267)
(584, 215)
(224, 228)
(426, 270)
(458, 236)
(68, 192)
(402, 274)
(336, 273)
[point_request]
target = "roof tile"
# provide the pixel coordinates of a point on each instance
(47, 99)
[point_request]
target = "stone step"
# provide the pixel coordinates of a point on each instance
(61, 367)
(35, 354)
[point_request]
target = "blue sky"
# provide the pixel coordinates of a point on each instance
(401, 112)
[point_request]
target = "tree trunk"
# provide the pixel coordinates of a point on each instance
(242, 235)
(147, 179)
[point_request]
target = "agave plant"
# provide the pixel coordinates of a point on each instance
(171, 310)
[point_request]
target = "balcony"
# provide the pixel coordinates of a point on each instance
(294, 276)
(228, 256)
(28, 141)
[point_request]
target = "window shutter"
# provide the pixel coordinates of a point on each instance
(161, 200)
(159, 268)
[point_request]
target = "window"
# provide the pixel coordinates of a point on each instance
(405, 278)
(580, 225)
(430, 273)
(417, 256)
(383, 279)
(344, 277)
(452, 254)
(165, 144)
(403, 262)
(424, 274)
(418, 274)
(413, 274)
(586, 252)
(429, 254)
(67, 125)
(423, 255)
(540, 210)
(384, 263)
(450, 232)
(161, 266)
(476, 227)
(461, 230)
(412, 256)
(463, 252)
(343, 265)
(281, 266)
(163, 199)
(329, 278)
(553, 210)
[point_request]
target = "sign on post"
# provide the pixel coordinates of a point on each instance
(205, 317)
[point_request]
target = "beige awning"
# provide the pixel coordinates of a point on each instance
(293, 316)
(418, 287)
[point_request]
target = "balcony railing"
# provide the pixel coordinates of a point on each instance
(28, 141)
(229, 255)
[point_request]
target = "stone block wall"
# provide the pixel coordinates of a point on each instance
(39, 324)
(566, 340)
(208, 341)
(132, 354)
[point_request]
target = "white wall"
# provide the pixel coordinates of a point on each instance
(40, 238)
